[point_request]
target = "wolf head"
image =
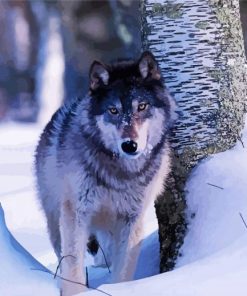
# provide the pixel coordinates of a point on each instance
(130, 104)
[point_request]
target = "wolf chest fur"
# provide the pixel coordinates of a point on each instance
(101, 161)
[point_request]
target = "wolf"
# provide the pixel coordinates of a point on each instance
(101, 161)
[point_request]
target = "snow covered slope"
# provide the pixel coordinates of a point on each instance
(17, 275)
(214, 260)
(17, 190)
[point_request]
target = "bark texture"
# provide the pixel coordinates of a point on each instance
(200, 48)
(243, 13)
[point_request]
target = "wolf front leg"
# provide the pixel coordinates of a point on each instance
(74, 237)
(128, 237)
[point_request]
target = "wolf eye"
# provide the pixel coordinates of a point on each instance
(142, 106)
(113, 110)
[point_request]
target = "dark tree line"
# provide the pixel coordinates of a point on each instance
(103, 30)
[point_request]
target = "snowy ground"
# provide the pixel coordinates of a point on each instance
(214, 260)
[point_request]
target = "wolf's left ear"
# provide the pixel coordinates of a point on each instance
(148, 66)
(98, 75)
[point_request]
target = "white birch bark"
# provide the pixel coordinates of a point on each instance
(200, 49)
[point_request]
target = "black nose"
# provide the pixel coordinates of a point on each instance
(129, 147)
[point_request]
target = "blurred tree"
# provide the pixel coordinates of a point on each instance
(19, 35)
(103, 30)
(200, 48)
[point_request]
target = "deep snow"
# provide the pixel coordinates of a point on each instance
(214, 260)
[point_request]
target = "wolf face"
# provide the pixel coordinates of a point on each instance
(130, 105)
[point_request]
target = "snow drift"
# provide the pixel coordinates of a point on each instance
(19, 272)
(214, 254)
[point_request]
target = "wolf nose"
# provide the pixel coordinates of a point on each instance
(129, 147)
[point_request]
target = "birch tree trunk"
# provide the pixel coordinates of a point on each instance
(200, 48)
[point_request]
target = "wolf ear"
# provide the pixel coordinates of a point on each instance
(148, 66)
(98, 75)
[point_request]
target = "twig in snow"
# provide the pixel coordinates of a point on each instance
(94, 247)
(59, 263)
(73, 282)
(245, 224)
(241, 141)
(87, 281)
(104, 258)
(216, 186)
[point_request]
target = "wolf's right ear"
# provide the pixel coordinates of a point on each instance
(98, 75)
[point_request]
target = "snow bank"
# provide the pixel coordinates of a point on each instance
(217, 223)
(214, 260)
(17, 276)
(17, 190)
(223, 273)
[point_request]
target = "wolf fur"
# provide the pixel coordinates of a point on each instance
(87, 185)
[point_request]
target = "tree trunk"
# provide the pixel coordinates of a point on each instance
(243, 13)
(200, 48)
(19, 34)
(101, 30)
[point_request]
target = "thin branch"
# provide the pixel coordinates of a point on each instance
(62, 278)
(87, 280)
(104, 258)
(59, 263)
(241, 141)
(216, 186)
(73, 282)
(245, 224)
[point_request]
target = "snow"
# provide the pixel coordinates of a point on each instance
(16, 268)
(214, 254)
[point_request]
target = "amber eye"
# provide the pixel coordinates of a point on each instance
(142, 106)
(113, 110)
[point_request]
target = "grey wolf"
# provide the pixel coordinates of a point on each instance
(101, 161)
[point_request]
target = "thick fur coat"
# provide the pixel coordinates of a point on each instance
(100, 162)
